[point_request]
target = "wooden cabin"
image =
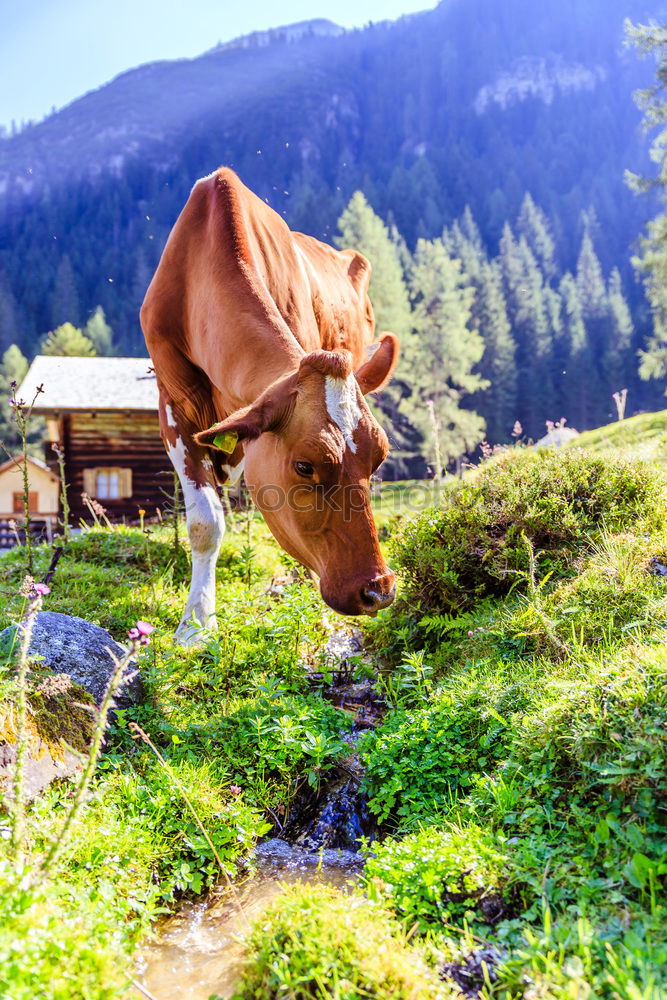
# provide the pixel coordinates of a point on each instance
(43, 499)
(104, 414)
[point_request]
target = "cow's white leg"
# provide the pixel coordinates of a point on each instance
(206, 526)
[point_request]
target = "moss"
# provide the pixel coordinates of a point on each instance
(56, 718)
(317, 942)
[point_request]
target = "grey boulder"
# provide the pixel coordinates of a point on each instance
(73, 646)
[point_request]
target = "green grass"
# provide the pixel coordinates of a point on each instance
(519, 774)
(642, 437)
(235, 719)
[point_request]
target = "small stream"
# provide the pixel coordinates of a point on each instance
(199, 950)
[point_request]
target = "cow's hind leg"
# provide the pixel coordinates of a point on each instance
(205, 524)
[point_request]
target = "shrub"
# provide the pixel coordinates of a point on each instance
(439, 876)
(316, 943)
(416, 761)
(473, 546)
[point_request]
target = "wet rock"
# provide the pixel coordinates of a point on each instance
(468, 974)
(657, 568)
(334, 816)
(73, 646)
(284, 856)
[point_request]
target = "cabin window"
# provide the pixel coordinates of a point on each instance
(33, 503)
(108, 483)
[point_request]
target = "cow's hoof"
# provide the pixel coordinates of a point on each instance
(191, 635)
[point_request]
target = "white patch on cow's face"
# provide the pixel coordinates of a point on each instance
(343, 406)
(233, 472)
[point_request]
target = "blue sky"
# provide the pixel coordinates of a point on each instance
(52, 51)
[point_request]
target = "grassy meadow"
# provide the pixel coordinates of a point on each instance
(519, 773)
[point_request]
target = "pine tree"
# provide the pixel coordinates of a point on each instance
(99, 333)
(13, 368)
(534, 226)
(444, 351)
(65, 299)
(651, 263)
(361, 229)
(573, 359)
(67, 341)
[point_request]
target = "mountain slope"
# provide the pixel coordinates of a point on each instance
(472, 103)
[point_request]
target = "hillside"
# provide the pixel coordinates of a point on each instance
(471, 103)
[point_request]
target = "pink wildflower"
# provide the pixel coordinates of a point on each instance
(235, 789)
(145, 628)
(41, 589)
(133, 633)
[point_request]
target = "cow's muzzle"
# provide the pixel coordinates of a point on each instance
(367, 599)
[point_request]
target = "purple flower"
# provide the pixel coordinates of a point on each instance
(145, 628)
(41, 589)
(133, 633)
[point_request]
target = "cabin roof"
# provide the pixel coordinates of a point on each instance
(17, 460)
(90, 384)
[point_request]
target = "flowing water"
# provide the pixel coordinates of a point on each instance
(200, 949)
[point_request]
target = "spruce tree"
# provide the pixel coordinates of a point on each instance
(530, 320)
(65, 299)
(534, 226)
(99, 333)
(498, 403)
(67, 341)
(617, 360)
(13, 368)
(444, 352)
(361, 229)
(592, 293)
(651, 262)
(573, 359)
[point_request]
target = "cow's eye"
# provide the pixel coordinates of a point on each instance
(304, 469)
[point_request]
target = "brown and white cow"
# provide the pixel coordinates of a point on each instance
(259, 337)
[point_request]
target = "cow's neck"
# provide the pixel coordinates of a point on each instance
(260, 359)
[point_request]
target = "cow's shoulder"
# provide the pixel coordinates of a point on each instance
(339, 282)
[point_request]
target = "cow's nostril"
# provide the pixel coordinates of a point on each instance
(375, 600)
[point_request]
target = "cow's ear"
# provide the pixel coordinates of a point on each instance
(267, 412)
(376, 372)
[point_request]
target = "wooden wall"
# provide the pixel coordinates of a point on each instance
(116, 440)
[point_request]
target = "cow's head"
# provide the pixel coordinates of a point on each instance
(311, 444)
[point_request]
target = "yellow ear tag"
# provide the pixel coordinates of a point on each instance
(226, 441)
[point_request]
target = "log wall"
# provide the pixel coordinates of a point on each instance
(116, 440)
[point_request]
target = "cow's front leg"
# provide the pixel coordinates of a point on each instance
(206, 527)
(205, 524)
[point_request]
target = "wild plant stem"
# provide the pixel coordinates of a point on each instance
(59, 843)
(26, 494)
(18, 800)
(177, 784)
(64, 499)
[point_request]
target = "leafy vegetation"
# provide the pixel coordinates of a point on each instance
(234, 721)
(518, 774)
(538, 752)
